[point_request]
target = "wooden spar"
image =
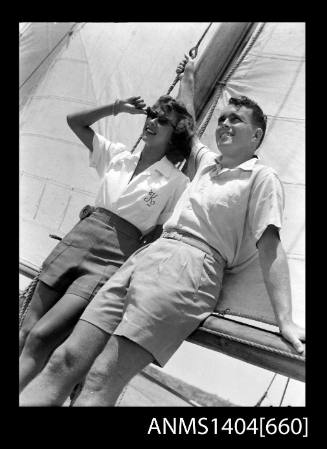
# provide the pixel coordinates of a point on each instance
(227, 42)
(266, 349)
(26, 269)
(250, 344)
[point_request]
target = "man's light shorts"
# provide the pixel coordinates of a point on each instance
(159, 296)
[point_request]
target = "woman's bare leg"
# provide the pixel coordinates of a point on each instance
(43, 299)
(48, 333)
(68, 364)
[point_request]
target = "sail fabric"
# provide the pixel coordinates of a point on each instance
(94, 66)
(100, 62)
(37, 47)
(273, 74)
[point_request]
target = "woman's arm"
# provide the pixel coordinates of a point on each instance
(80, 122)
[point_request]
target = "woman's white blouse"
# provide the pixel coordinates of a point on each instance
(149, 198)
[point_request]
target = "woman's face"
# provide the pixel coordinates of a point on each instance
(159, 126)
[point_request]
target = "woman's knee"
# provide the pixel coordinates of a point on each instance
(65, 358)
(23, 334)
(37, 339)
(27, 326)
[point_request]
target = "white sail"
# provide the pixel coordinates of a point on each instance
(273, 74)
(65, 67)
(98, 63)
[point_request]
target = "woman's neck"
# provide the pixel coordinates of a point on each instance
(150, 155)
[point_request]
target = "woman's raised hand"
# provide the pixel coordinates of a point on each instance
(133, 105)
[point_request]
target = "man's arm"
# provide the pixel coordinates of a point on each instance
(186, 96)
(275, 271)
(186, 86)
(80, 122)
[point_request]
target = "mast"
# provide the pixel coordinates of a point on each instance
(226, 44)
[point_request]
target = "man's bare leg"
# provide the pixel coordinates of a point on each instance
(120, 360)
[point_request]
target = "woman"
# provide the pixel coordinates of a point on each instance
(137, 194)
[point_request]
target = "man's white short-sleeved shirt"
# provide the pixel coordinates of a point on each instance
(149, 198)
(230, 208)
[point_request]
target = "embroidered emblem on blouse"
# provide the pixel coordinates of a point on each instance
(149, 198)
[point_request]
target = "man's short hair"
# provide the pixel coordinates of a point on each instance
(180, 145)
(259, 119)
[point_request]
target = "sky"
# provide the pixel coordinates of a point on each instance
(239, 382)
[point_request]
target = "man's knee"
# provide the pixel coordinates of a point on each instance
(97, 379)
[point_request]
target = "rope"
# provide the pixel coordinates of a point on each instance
(26, 297)
(266, 392)
(222, 84)
(287, 382)
(254, 345)
(193, 53)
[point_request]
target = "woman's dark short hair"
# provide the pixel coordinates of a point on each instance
(259, 119)
(180, 145)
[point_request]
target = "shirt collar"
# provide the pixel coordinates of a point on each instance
(164, 166)
(247, 165)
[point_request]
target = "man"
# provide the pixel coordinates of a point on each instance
(232, 208)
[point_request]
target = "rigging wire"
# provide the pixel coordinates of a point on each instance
(193, 53)
(266, 392)
(69, 33)
(23, 27)
(287, 382)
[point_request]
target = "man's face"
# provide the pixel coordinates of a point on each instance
(235, 131)
(159, 126)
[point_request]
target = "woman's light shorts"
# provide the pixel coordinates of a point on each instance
(159, 296)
